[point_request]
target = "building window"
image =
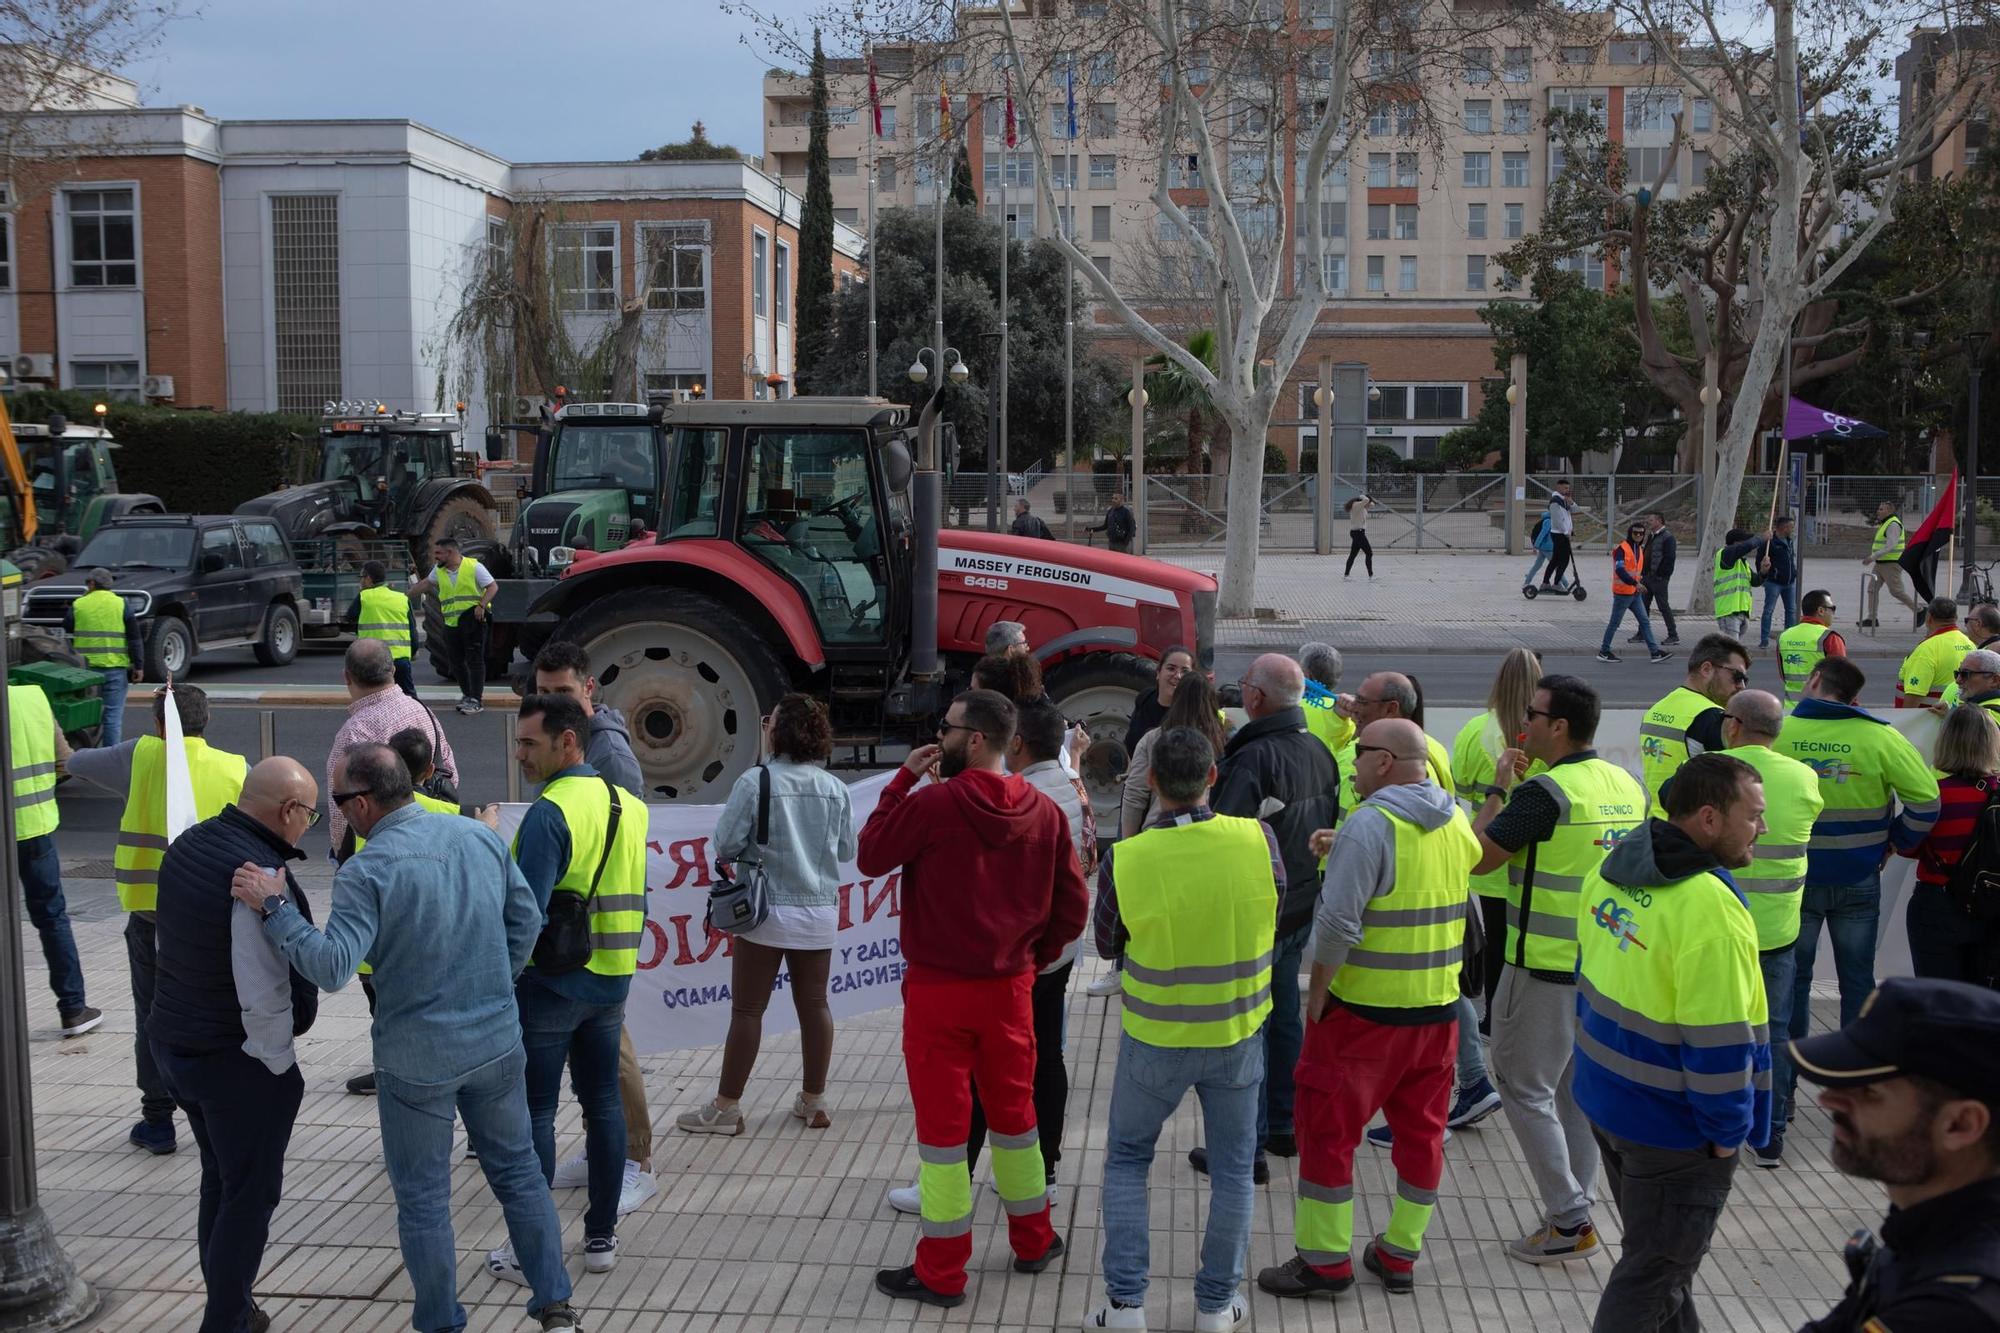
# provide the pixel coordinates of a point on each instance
(1184, 172)
(1478, 170)
(1100, 222)
(1103, 69)
(1651, 108)
(1406, 273)
(1406, 222)
(1586, 100)
(305, 299)
(1062, 169)
(1647, 164)
(1103, 265)
(885, 175)
(1378, 120)
(1103, 171)
(781, 301)
(1332, 220)
(1020, 168)
(1698, 176)
(1378, 222)
(1517, 116)
(1514, 170)
(1378, 171)
(587, 268)
(111, 379)
(1439, 402)
(1513, 221)
(676, 385)
(1392, 405)
(843, 166)
(888, 122)
(1479, 115)
(1589, 267)
(103, 239)
(676, 266)
(6, 243)
(1406, 171)
(1092, 9)
(1335, 269)
(1475, 273)
(1579, 55)
(1518, 65)
(1478, 64)
(760, 278)
(1103, 120)
(1630, 53)
(1704, 115)
(1375, 279)
(850, 216)
(1475, 222)
(1381, 62)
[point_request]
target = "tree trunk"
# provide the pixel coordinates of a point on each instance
(1238, 595)
(624, 384)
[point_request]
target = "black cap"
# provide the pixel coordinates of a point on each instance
(1943, 1030)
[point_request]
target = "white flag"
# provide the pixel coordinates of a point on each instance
(180, 784)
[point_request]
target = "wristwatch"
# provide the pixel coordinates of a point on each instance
(272, 902)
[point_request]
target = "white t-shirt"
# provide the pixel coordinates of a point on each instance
(1560, 519)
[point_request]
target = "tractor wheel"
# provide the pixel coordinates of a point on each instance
(39, 562)
(434, 640)
(692, 679)
(464, 518)
(1099, 690)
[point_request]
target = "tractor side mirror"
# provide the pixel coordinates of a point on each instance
(496, 445)
(897, 466)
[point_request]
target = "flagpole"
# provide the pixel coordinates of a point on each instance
(1069, 299)
(874, 132)
(1006, 244)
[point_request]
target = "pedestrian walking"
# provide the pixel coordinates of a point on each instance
(1195, 705)
(1322, 666)
(1027, 524)
(1927, 672)
(1673, 1056)
(1774, 883)
(1550, 832)
(226, 1008)
(377, 710)
(1276, 770)
(1946, 941)
(1884, 567)
(104, 629)
(1475, 762)
(1357, 533)
(1866, 771)
(1381, 1009)
(1733, 582)
(1194, 896)
(1779, 565)
(382, 613)
(1118, 526)
(1977, 681)
(1913, 1088)
(1660, 555)
(449, 921)
(1562, 525)
(465, 589)
(1689, 720)
(1801, 646)
(1628, 564)
(37, 752)
(790, 817)
(139, 768)
(584, 838)
(973, 835)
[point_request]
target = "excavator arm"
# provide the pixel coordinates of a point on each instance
(17, 476)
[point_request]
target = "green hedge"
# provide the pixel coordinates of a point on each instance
(196, 462)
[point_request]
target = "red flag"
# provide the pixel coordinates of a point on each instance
(944, 108)
(1924, 547)
(874, 96)
(1010, 108)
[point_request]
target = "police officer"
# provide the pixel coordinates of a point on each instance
(383, 613)
(1913, 1088)
(1803, 644)
(1689, 720)
(105, 631)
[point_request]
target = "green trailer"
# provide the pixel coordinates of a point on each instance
(331, 569)
(73, 693)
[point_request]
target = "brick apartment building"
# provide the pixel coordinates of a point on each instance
(277, 264)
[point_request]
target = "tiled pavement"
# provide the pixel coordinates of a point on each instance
(782, 1228)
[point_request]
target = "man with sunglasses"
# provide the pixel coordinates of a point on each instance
(1689, 720)
(226, 1007)
(1977, 681)
(1928, 669)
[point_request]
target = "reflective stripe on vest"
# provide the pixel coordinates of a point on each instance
(99, 618)
(1775, 882)
(1201, 905)
(430, 803)
(618, 912)
(31, 730)
(1732, 588)
(1800, 649)
(1598, 803)
(458, 592)
(1413, 938)
(217, 777)
(385, 615)
(1635, 565)
(1663, 743)
(1474, 764)
(1881, 535)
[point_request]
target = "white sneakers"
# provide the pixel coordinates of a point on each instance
(1231, 1316)
(1108, 984)
(1111, 1316)
(600, 1255)
(907, 1199)
(574, 1173)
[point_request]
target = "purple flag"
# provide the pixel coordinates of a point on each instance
(1803, 421)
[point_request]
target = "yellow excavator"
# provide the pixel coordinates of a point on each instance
(33, 656)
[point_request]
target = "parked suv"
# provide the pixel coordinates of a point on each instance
(200, 582)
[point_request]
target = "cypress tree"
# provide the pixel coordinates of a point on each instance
(814, 304)
(962, 193)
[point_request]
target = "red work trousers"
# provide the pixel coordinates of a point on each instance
(958, 1031)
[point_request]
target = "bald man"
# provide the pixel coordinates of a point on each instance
(1276, 770)
(225, 1010)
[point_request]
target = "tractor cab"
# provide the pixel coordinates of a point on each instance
(373, 462)
(596, 485)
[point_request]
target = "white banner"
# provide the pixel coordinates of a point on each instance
(680, 997)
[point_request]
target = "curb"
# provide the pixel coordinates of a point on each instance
(318, 696)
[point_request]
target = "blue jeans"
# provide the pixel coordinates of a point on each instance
(416, 1149)
(1284, 1035)
(1471, 1060)
(1788, 593)
(41, 886)
(117, 680)
(1621, 602)
(556, 1029)
(1541, 558)
(1851, 913)
(1147, 1089)
(1780, 967)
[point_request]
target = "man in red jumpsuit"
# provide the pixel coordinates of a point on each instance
(990, 894)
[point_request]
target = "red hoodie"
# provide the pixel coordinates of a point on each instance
(990, 881)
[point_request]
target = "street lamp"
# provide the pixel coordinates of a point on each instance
(1975, 352)
(992, 339)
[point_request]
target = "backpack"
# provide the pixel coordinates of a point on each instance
(1541, 531)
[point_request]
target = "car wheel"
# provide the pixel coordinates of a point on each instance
(280, 643)
(169, 650)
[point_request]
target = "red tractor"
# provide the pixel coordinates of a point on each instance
(799, 548)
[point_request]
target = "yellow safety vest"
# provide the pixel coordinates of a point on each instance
(1882, 535)
(431, 803)
(1413, 938)
(1663, 743)
(458, 592)
(1437, 765)
(1732, 587)
(217, 776)
(385, 615)
(1928, 669)
(1334, 729)
(1474, 769)
(1774, 883)
(1201, 905)
(618, 911)
(1800, 649)
(1598, 804)
(31, 728)
(99, 617)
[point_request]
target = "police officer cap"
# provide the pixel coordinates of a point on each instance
(1944, 1030)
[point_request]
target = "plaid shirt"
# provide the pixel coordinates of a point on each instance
(375, 718)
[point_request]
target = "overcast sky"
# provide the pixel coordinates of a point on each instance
(590, 79)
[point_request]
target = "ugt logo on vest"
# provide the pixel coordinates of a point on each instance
(1652, 747)
(1611, 837)
(1617, 920)
(1835, 771)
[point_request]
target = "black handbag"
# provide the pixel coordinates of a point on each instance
(741, 901)
(565, 944)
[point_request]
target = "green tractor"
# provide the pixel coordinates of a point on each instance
(74, 487)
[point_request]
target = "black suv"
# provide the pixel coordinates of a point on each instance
(200, 582)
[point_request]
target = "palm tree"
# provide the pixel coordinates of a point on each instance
(1171, 388)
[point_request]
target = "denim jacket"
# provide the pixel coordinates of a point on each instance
(811, 832)
(448, 920)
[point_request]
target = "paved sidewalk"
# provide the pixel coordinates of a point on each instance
(783, 1228)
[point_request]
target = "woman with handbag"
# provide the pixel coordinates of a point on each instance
(1943, 940)
(787, 829)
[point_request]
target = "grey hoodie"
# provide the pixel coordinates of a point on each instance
(1362, 865)
(609, 750)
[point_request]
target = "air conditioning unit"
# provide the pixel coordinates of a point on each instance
(159, 386)
(35, 366)
(528, 407)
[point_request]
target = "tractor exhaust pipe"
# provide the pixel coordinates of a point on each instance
(927, 496)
